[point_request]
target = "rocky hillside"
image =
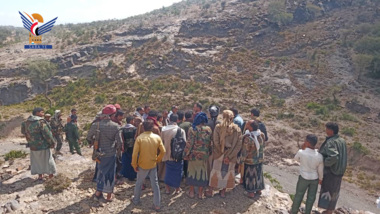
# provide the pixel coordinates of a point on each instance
(302, 62)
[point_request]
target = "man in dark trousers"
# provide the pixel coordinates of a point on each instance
(334, 152)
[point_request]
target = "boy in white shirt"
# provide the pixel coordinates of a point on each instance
(311, 173)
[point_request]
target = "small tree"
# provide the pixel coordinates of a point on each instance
(362, 62)
(40, 72)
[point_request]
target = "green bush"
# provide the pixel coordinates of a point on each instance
(13, 154)
(368, 45)
(277, 13)
(349, 131)
(276, 101)
(100, 98)
(358, 147)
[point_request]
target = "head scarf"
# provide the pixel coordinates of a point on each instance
(226, 127)
(154, 120)
(253, 135)
(57, 113)
(201, 117)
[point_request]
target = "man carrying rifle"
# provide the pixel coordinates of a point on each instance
(107, 145)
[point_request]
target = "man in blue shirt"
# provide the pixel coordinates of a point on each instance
(237, 119)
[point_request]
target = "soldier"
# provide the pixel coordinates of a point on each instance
(47, 118)
(40, 140)
(72, 135)
(57, 129)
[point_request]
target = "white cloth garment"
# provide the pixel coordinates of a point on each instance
(311, 161)
(254, 136)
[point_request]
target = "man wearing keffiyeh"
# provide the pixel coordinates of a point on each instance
(227, 144)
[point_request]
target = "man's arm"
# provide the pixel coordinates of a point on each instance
(46, 133)
(136, 150)
(263, 128)
(320, 169)
(23, 130)
(183, 134)
(330, 153)
(297, 156)
(91, 133)
(161, 147)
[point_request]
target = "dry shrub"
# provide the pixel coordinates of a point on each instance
(57, 183)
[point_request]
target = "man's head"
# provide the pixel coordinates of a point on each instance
(174, 109)
(181, 115)
(140, 110)
(235, 111)
(165, 114)
(119, 115)
(253, 125)
(148, 125)
(188, 115)
(47, 117)
(130, 119)
(214, 111)
(310, 141)
(159, 117)
(73, 118)
(173, 118)
(197, 107)
(73, 111)
(146, 109)
(38, 112)
(153, 113)
(255, 113)
(109, 110)
(332, 129)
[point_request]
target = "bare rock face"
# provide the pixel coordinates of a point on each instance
(14, 90)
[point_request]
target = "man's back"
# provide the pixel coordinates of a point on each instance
(38, 133)
(146, 146)
(72, 131)
(185, 126)
(167, 134)
(334, 151)
(311, 163)
(109, 135)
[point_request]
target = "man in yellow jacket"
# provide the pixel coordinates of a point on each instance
(144, 161)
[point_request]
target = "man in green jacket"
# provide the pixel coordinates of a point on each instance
(334, 152)
(40, 140)
(72, 135)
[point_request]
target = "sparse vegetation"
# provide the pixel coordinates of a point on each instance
(58, 183)
(358, 147)
(13, 154)
(274, 181)
(349, 131)
(278, 14)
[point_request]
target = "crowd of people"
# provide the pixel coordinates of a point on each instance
(207, 151)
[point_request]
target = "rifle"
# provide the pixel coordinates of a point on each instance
(96, 154)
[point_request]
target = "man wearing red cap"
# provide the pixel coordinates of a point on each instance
(110, 143)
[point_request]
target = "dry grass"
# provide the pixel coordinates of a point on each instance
(57, 183)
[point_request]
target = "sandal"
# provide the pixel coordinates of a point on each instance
(250, 196)
(190, 196)
(156, 209)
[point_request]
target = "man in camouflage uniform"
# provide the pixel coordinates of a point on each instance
(40, 140)
(72, 135)
(57, 129)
